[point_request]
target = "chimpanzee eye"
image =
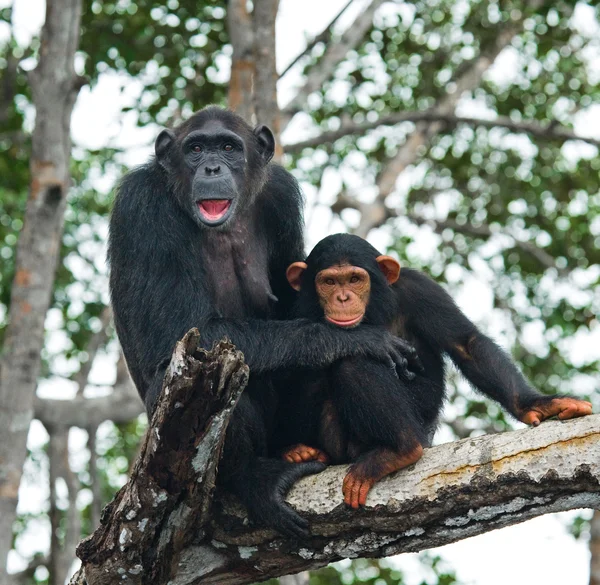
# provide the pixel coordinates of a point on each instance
(196, 148)
(228, 147)
(330, 281)
(354, 279)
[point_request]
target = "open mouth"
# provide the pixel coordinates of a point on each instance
(213, 209)
(345, 323)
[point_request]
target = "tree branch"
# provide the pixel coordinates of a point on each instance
(323, 37)
(484, 231)
(120, 406)
(97, 341)
(549, 131)
(157, 530)
(333, 56)
(470, 78)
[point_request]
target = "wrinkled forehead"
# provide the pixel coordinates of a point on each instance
(342, 270)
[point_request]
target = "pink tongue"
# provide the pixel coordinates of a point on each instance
(214, 209)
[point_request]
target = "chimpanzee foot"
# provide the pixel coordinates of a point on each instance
(266, 500)
(301, 453)
(356, 488)
(564, 408)
(371, 467)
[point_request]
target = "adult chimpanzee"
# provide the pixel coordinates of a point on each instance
(359, 411)
(201, 236)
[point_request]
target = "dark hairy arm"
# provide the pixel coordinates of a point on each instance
(270, 345)
(435, 316)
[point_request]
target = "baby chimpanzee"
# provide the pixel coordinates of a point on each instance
(359, 410)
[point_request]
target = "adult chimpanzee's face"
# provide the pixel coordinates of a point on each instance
(213, 168)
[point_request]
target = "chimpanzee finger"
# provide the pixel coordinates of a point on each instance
(363, 492)
(401, 367)
(409, 352)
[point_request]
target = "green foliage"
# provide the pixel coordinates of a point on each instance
(175, 48)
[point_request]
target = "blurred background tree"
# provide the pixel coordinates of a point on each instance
(461, 134)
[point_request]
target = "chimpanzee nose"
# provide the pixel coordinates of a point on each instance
(212, 170)
(342, 297)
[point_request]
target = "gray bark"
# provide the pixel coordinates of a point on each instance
(55, 87)
(160, 528)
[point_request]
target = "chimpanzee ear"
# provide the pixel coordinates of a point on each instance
(390, 268)
(294, 274)
(266, 142)
(162, 146)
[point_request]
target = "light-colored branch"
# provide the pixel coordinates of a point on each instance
(536, 129)
(54, 86)
(334, 54)
(121, 406)
(323, 37)
(61, 550)
(96, 505)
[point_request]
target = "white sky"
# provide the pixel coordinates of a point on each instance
(539, 551)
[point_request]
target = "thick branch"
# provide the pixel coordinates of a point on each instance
(155, 530)
(121, 406)
(536, 129)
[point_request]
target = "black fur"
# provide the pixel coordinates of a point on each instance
(375, 408)
(172, 269)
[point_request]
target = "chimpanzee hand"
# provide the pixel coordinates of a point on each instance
(381, 345)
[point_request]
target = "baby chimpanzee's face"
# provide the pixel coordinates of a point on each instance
(343, 293)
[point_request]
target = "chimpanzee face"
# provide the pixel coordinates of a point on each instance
(343, 290)
(343, 293)
(215, 170)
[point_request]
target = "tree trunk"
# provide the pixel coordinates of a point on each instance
(161, 530)
(265, 75)
(239, 25)
(55, 87)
